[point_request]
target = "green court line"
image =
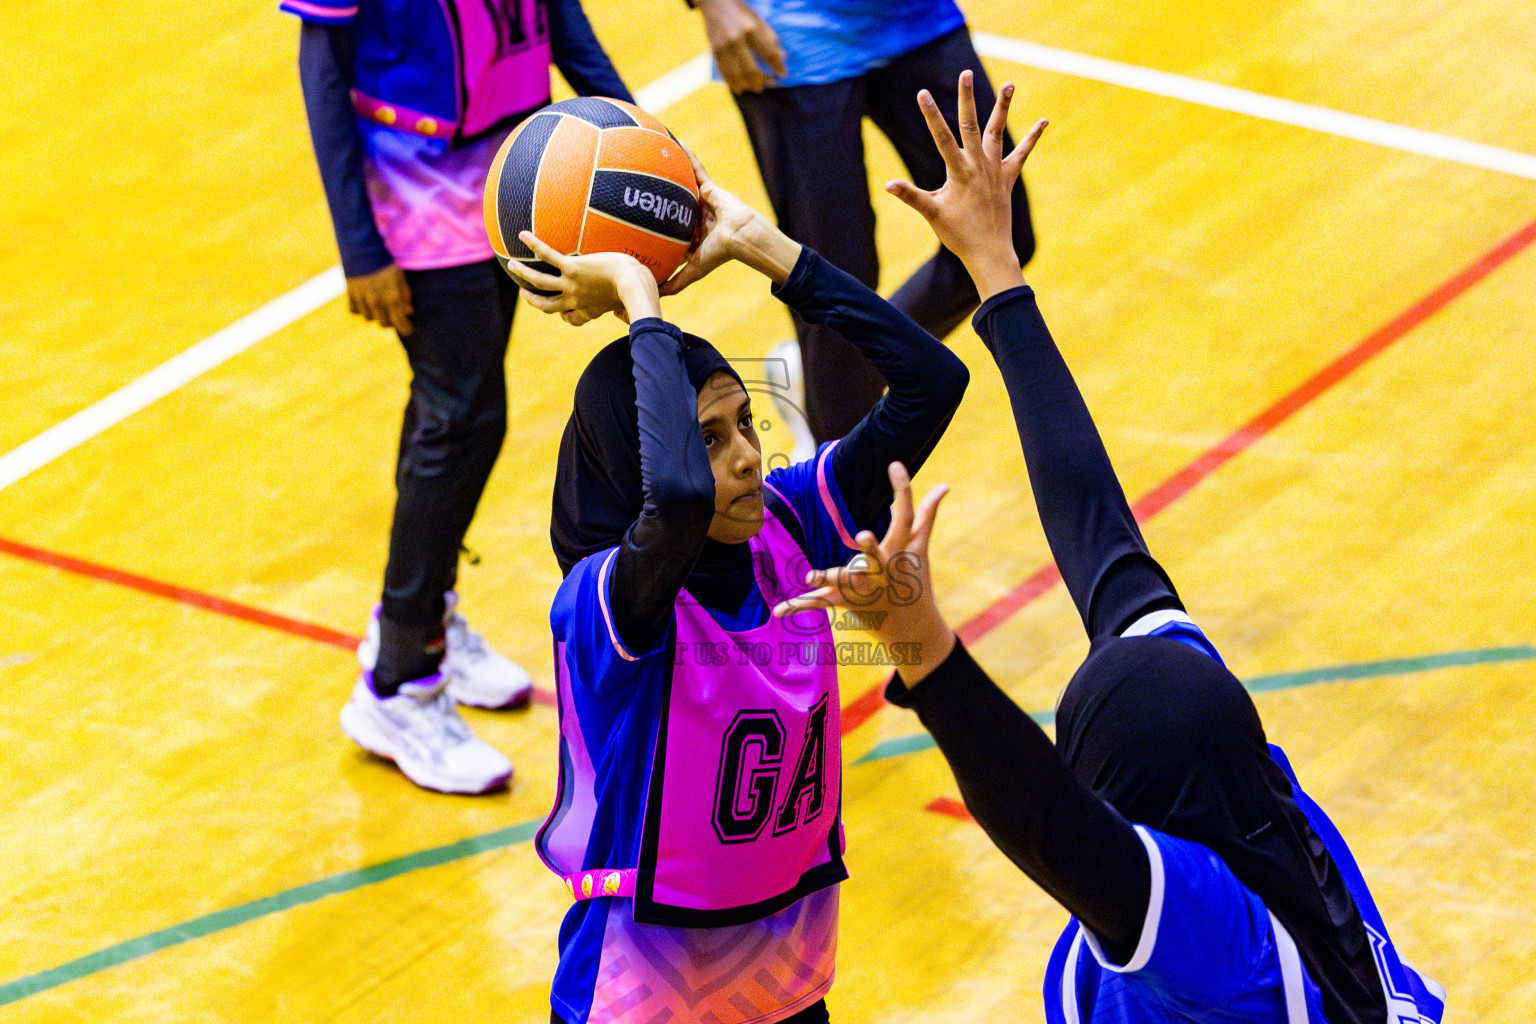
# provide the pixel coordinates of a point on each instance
(900, 745)
(219, 920)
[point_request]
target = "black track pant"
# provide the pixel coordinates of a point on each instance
(810, 148)
(454, 425)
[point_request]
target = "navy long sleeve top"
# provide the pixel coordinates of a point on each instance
(926, 380)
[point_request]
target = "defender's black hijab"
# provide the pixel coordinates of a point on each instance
(598, 491)
(1174, 742)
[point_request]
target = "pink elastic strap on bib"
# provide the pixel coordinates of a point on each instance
(589, 885)
(393, 115)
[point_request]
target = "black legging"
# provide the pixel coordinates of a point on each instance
(452, 432)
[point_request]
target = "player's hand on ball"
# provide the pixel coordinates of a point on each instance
(972, 213)
(588, 285)
(383, 297)
(734, 231)
(724, 216)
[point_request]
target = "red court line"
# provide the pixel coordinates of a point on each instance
(863, 707)
(181, 595)
(950, 806)
(197, 599)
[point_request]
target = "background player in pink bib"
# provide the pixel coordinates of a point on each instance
(698, 815)
(408, 101)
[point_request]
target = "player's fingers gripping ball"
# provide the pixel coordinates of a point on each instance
(593, 175)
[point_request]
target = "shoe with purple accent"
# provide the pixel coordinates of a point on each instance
(478, 677)
(420, 730)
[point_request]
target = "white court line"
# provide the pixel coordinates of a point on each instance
(676, 84)
(251, 328)
(1269, 108)
(684, 81)
(169, 375)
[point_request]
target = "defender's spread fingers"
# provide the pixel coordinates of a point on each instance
(942, 138)
(970, 129)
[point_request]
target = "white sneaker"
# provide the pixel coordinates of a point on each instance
(420, 730)
(477, 676)
(789, 401)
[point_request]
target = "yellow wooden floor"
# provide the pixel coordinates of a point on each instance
(164, 767)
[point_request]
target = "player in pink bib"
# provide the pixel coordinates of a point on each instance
(697, 821)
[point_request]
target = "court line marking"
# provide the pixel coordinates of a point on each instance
(899, 745)
(181, 595)
(198, 599)
(180, 369)
(230, 917)
(1259, 105)
(866, 705)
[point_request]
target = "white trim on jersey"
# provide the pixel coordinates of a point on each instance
(602, 603)
(1430, 984)
(1402, 1006)
(1148, 940)
(1151, 621)
(1292, 976)
(1069, 1008)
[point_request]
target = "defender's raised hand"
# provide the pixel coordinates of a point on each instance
(971, 214)
(889, 585)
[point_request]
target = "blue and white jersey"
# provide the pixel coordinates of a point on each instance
(613, 970)
(1210, 951)
(830, 40)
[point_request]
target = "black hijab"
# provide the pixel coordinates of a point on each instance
(598, 488)
(1174, 742)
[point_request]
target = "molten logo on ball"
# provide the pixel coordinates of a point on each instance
(659, 206)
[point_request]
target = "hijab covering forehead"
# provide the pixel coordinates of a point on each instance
(1171, 739)
(598, 490)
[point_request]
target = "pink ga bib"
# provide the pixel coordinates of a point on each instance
(742, 811)
(743, 817)
(505, 60)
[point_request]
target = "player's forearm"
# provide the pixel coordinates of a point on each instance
(994, 271)
(1082, 506)
(1033, 808)
(659, 550)
(762, 246)
(339, 149)
(926, 381)
(582, 61)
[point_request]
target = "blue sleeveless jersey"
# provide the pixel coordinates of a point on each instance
(830, 40)
(616, 698)
(1210, 942)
